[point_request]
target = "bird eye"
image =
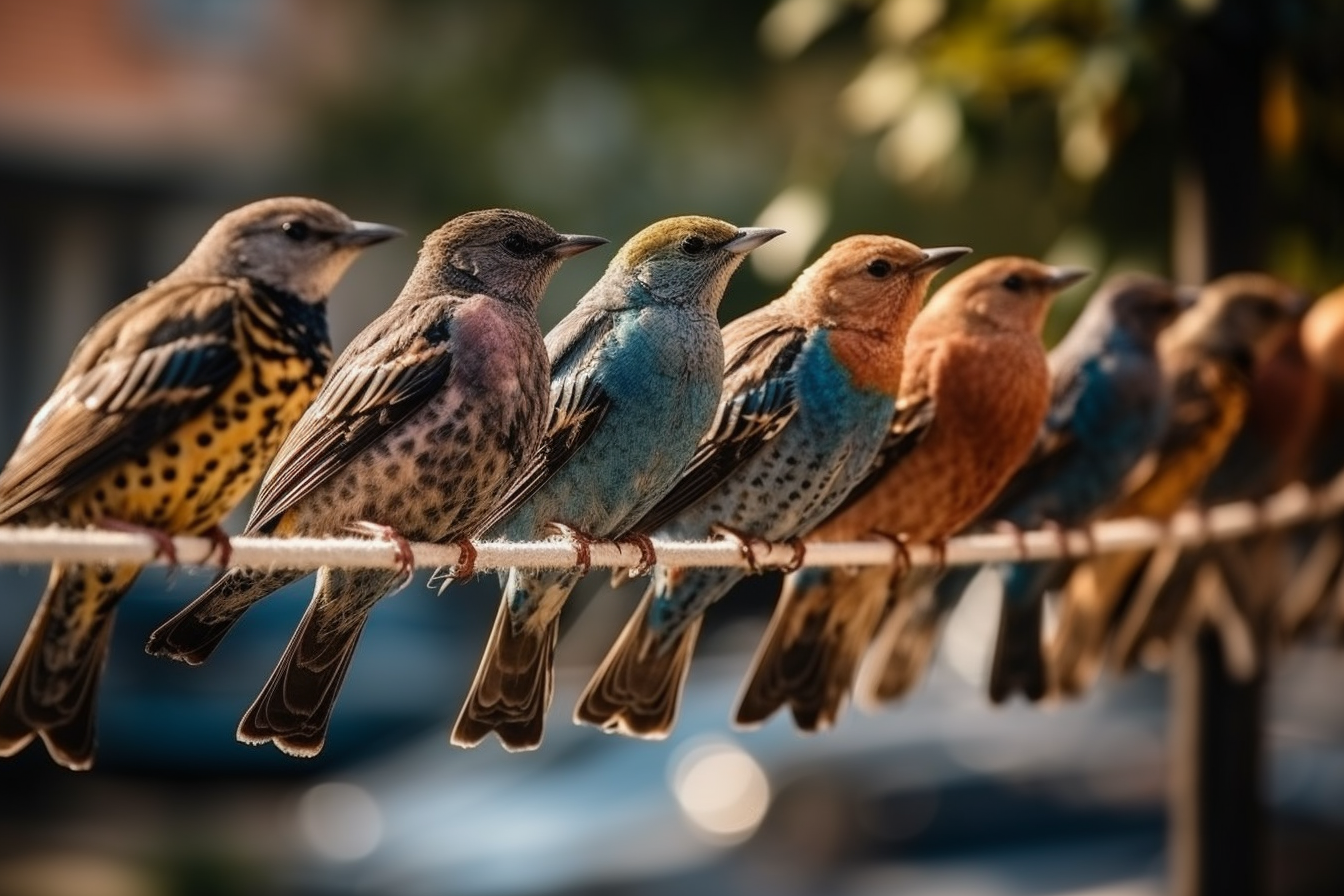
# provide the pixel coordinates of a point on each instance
(1014, 283)
(296, 230)
(879, 268)
(693, 245)
(518, 244)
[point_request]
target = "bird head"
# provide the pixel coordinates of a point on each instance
(1243, 315)
(1005, 293)
(1140, 306)
(299, 245)
(1323, 334)
(508, 254)
(685, 260)
(871, 282)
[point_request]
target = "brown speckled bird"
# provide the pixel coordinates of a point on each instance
(165, 417)
(975, 390)
(1211, 354)
(426, 417)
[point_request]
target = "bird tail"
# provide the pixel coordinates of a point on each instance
(51, 689)
(1157, 606)
(637, 689)
(821, 627)
(902, 649)
(194, 633)
(1090, 602)
(513, 685)
(294, 706)
(1019, 659)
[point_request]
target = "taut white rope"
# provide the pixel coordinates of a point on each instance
(1295, 504)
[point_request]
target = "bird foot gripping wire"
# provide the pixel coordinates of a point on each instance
(401, 548)
(900, 544)
(219, 545)
(647, 556)
(583, 544)
(745, 546)
(1007, 527)
(164, 549)
(799, 555)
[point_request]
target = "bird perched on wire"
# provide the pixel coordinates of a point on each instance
(809, 388)
(1109, 401)
(1315, 584)
(164, 418)
(1210, 355)
(426, 417)
(636, 373)
(972, 397)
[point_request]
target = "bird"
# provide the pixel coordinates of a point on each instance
(164, 418)
(1109, 401)
(961, 426)
(636, 374)
(426, 416)
(810, 384)
(1210, 355)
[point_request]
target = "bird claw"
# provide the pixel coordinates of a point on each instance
(401, 547)
(723, 531)
(465, 567)
(1007, 527)
(939, 548)
(1061, 538)
(583, 544)
(901, 545)
(799, 555)
(647, 556)
(164, 549)
(219, 544)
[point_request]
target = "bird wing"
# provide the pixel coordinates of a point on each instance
(760, 399)
(579, 403)
(910, 422)
(388, 372)
(1209, 401)
(146, 368)
(1091, 407)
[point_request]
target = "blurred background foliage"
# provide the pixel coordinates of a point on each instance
(1057, 127)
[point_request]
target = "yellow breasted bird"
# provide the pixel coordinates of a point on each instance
(167, 414)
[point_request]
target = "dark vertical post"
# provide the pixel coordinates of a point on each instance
(1217, 820)
(1217, 841)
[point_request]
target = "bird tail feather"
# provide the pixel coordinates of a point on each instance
(294, 707)
(51, 688)
(192, 635)
(637, 689)
(513, 686)
(901, 651)
(817, 636)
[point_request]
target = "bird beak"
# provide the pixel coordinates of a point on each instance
(1064, 277)
(937, 259)
(749, 238)
(366, 233)
(574, 243)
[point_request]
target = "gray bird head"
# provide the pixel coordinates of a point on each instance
(1137, 306)
(1241, 316)
(508, 254)
(299, 245)
(681, 261)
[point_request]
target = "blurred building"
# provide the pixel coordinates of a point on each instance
(126, 126)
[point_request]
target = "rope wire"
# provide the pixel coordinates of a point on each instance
(1294, 505)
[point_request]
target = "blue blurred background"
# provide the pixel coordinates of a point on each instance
(1097, 132)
